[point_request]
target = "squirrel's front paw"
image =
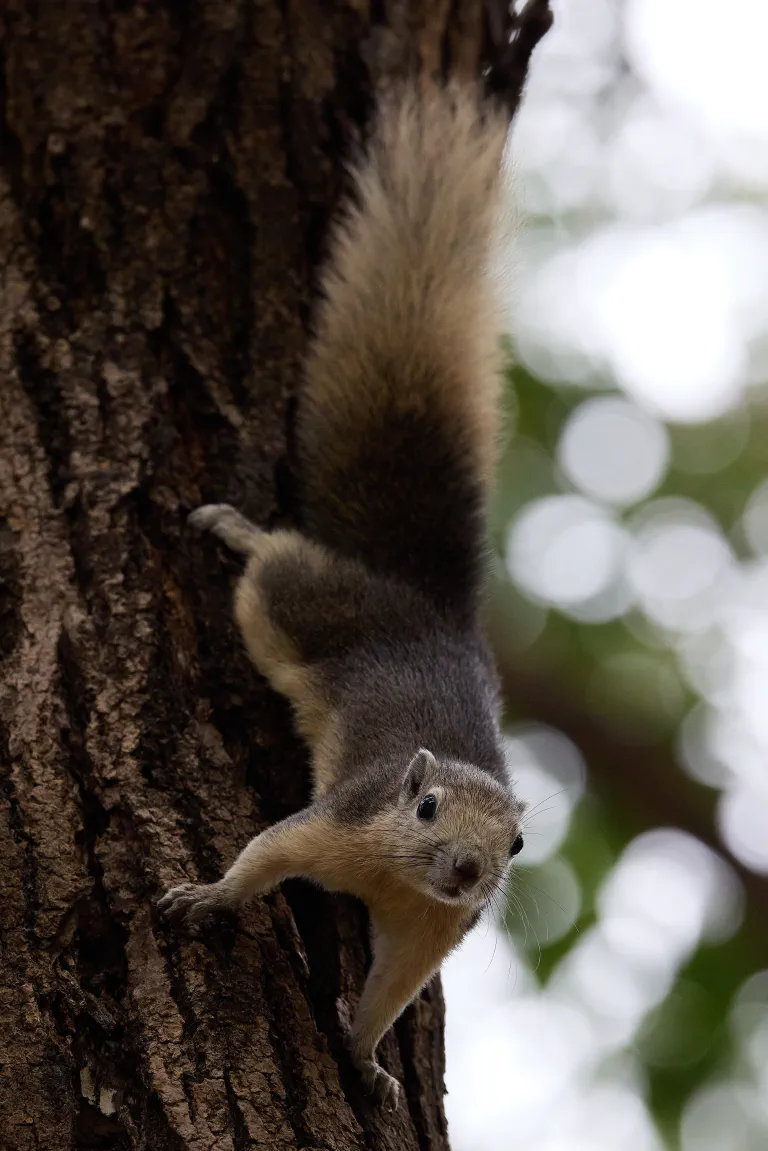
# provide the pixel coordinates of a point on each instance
(191, 902)
(380, 1084)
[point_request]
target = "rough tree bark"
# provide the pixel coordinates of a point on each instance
(166, 172)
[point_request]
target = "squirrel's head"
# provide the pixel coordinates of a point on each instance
(458, 829)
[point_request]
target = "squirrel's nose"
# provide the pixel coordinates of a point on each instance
(467, 867)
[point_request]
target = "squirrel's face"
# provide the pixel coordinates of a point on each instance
(459, 829)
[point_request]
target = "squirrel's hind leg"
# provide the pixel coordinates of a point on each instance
(271, 646)
(232, 528)
(272, 642)
(277, 630)
(292, 608)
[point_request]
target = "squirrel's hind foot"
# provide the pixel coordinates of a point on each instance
(232, 528)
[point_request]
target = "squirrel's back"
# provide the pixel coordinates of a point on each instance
(398, 422)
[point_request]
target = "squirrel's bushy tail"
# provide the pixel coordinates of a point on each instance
(398, 422)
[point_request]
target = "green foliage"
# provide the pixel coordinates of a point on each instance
(625, 684)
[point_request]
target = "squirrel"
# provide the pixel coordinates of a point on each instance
(367, 618)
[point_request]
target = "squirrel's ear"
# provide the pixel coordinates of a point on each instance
(422, 761)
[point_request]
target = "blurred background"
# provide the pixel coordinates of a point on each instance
(620, 998)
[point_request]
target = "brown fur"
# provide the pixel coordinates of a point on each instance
(403, 374)
(416, 252)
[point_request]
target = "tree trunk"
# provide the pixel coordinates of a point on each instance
(166, 172)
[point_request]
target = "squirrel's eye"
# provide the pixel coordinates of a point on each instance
(517, 846)
(427, 808)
